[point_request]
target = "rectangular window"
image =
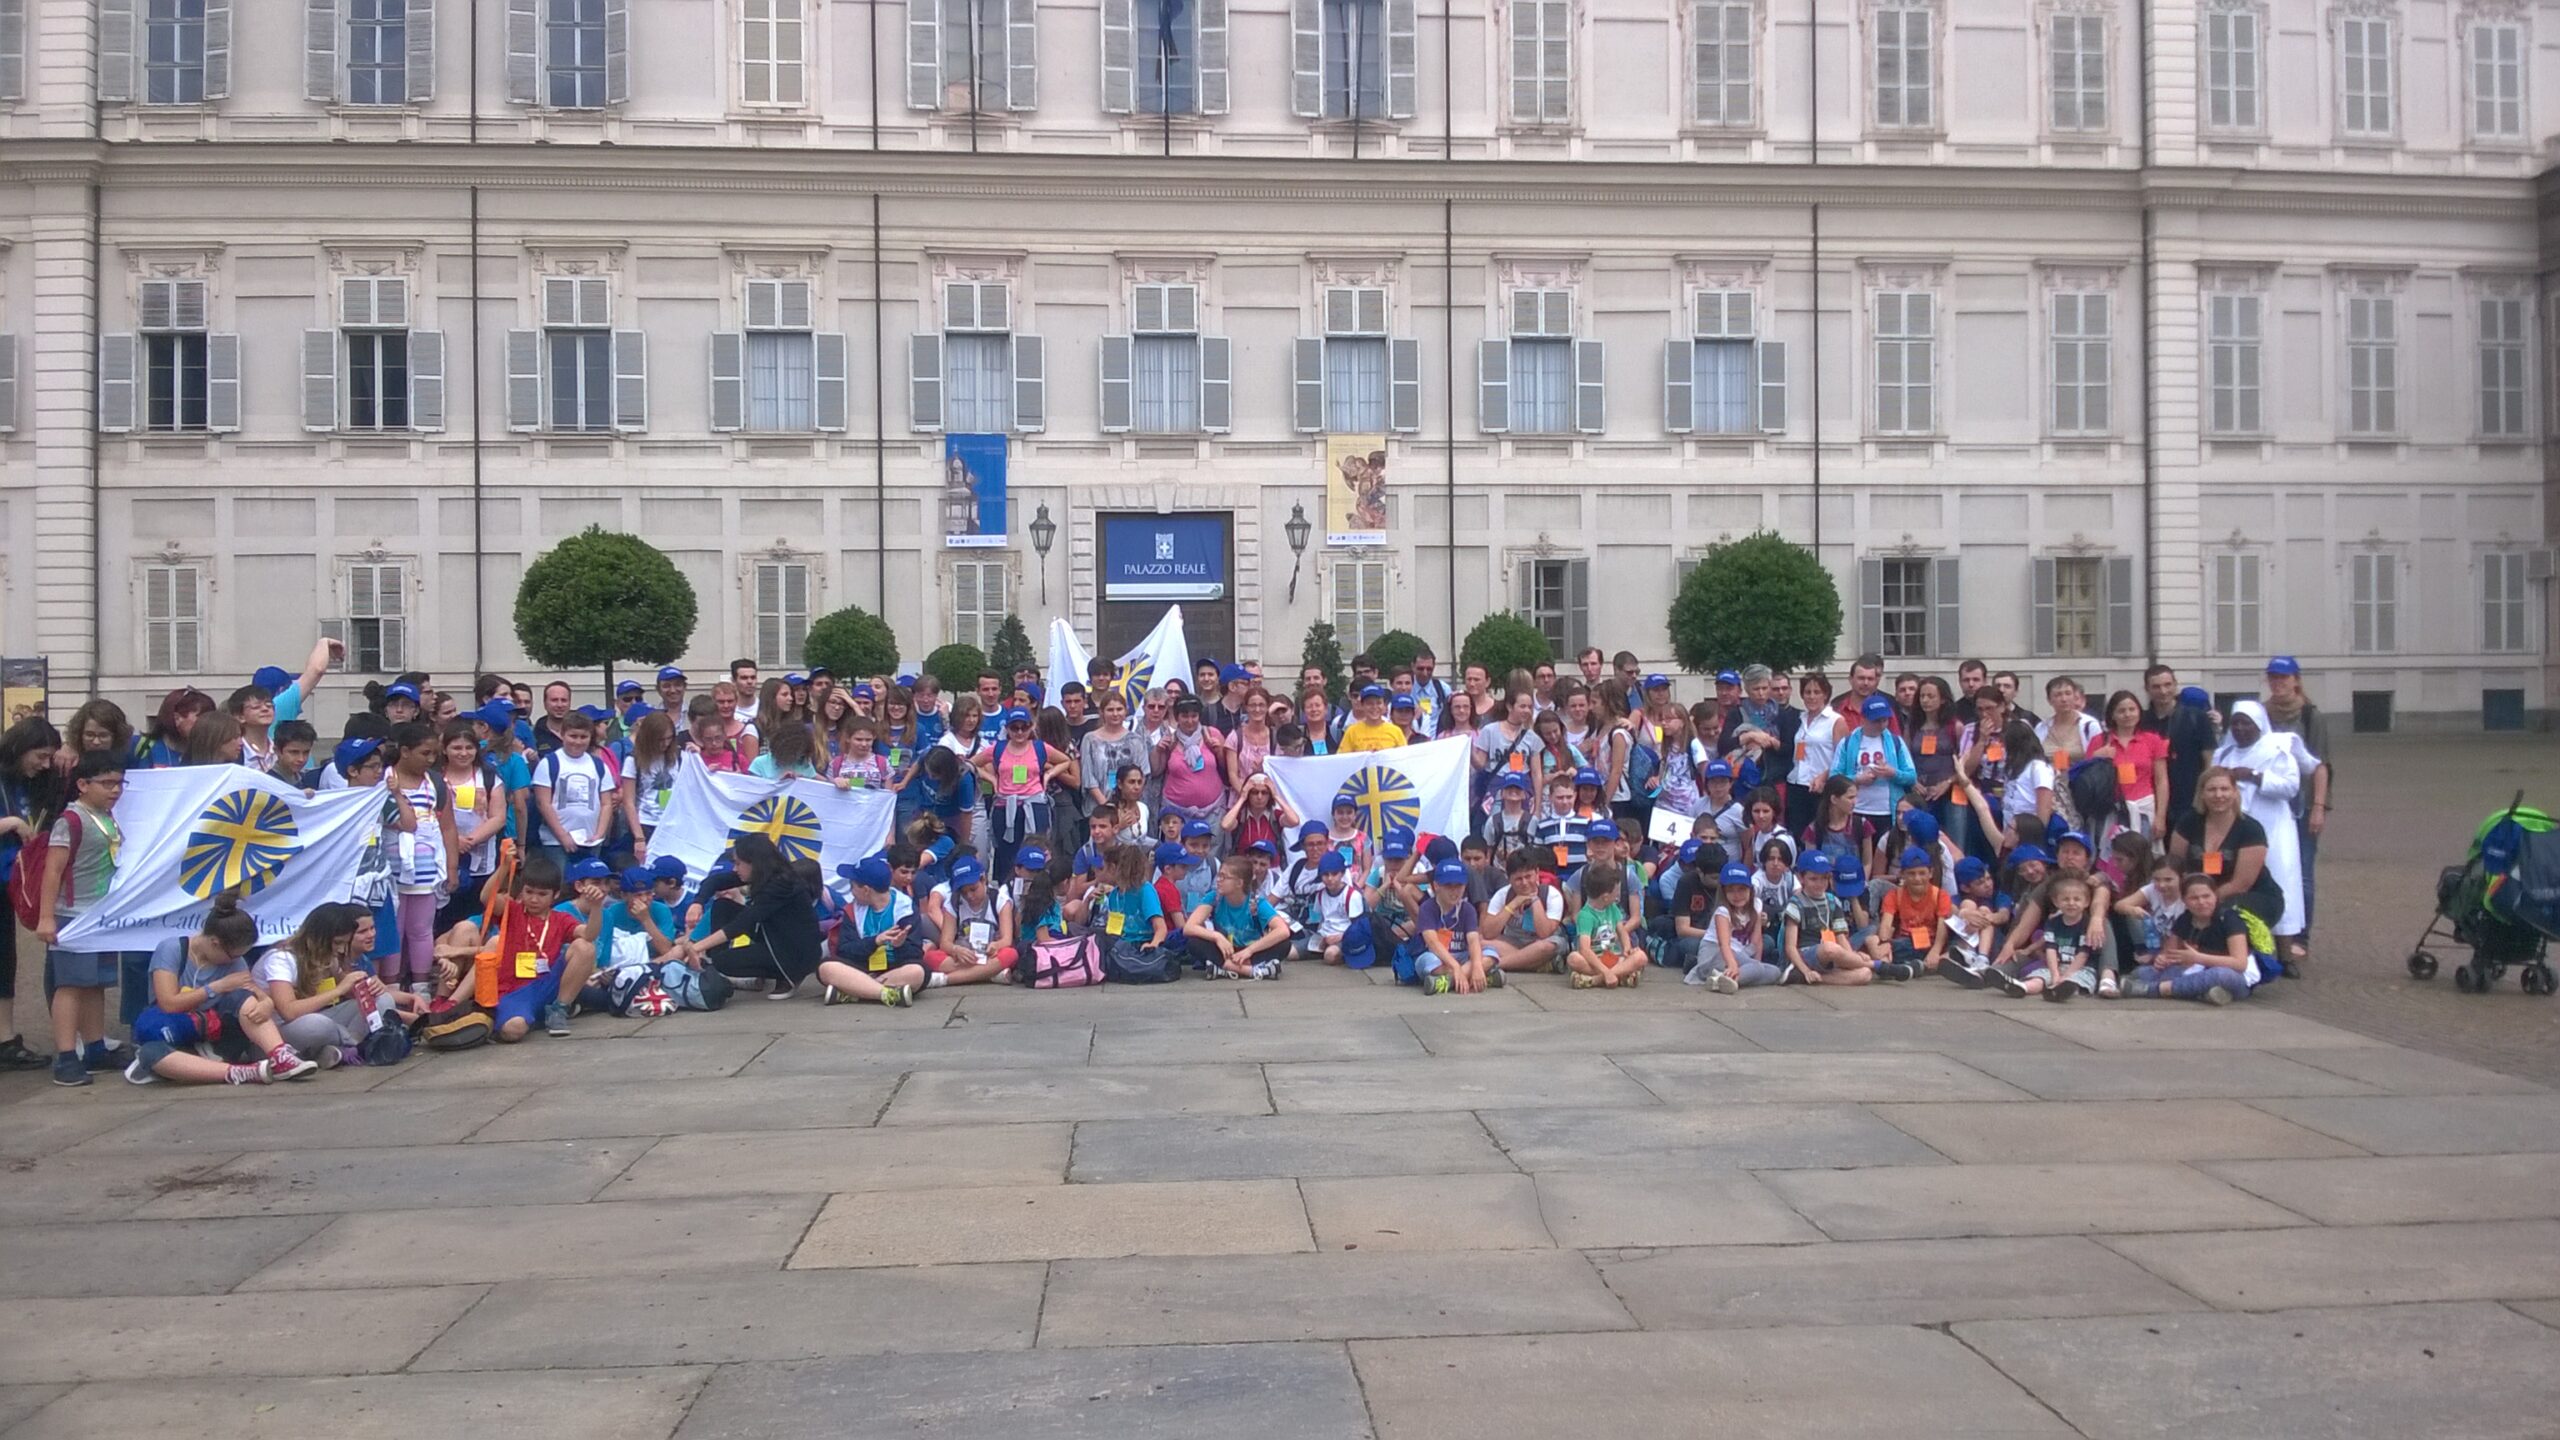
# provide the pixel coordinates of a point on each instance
(773, 51)
(2079, 72)
(2231, 70)
(973, 53)
(377, 52)
(1168, 60)
(1724, 322)
(782, 612)
(1906, 607)
(1359, 602)
(1166, 381)
(2497, 81)
(376, 633)
(2081, 359)
(979, 601)
(1355, 58)
(2366, 94)
(377, 379)
(1541, 61)
(2235, 604)
(1724, 63)
(2502, 601)
(2502, 353)
(977, 373)
(173, 52)
(573, 54)
(1906, 360)
(782, 381)
(1355, 385)
(176, 382)
(581, 379)
(172, 619)
(2079, 605)
(1558, 596)
(1906, 95)
(2373, 602)
(1541, 387)
(2232, 354)
(2373, 365)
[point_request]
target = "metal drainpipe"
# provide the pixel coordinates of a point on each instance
(2150, 356)
(1813, 152)
(479, 551)
(1449, 397)
(879, 422)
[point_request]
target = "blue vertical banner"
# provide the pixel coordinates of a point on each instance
(973, 495)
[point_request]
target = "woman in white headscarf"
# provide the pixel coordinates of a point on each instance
(2269, 768)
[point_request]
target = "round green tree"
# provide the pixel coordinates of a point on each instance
(956, 666)
(1323, 651)
(1503, 642)
(1762, 598)
(1396, 647)
(600, 598)
(1011, 649)
(853, 643)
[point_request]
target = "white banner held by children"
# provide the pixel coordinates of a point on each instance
(1163, 655)
(1422, 788)
(807, 819)
(193, 832)
(1067, 661)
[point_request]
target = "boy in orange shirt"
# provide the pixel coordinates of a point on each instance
(1911, 930)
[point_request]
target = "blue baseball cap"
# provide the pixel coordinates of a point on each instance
(1263, 848)
(1373, 692)
(1087, 863)
(1603, 830)
(905, 682)
(1734, 875)
(1850, 879)
(1031, 857)
(795, 678)
(353, 752)
(870, 874)
(669, 672)
(1911, 856)
(1196, 830)
(1170, 854)
(638, 879)
(1921, 826)
(1512, 780)
(634, 715)
(1719, 770)
(966, 871)
(2073, 837)
(863, 692)
(1877, 708)
(1017, 716)
(2025, 853)
(1231, 673)
(1313, 830)
(1450, 872)
(589, 870)
(1332, 863)
(1398, 845)
(1728, 677)
(597, 713)
(2195, 697)
(628, 687)
(272, 677)
(1690, 850)
(1970, 869)
(1400, 701)
(402, 691)
(1587, 776)
(1817, 863)
(1657, 682)
(1439, 848)
(666, 867)
(497, 715)
(2284, 665)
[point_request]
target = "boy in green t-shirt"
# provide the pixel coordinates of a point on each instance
(1604, 957)
(78, 864)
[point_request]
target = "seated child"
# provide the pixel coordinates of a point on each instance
(1819, 947)
(535, 957)
(1337, 905)
(878, 950)
(1237, 934)
(1911, 935)
(1452, 955)
(2058, 958)
(203, 994)
(2205, 957)
(1604, 954)
(1734, 958)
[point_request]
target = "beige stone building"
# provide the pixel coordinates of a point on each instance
(2071, 332)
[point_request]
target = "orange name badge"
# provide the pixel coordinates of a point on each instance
(1519, 762)
(528, 965)
(1830, 937)
(1928, 742)
(1995, 752)
(1799, 752)
(2213, 862)
(2124, 772)
(1956, 793)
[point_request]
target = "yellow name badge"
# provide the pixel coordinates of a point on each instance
(528, 965)
(1116, 923)
(879, 959)
(740, 943)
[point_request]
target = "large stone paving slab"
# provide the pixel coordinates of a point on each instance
(1047, 1222)
(2164, 1074)
(680, 1107)
(332, 1332)
(422, 1177)
(535, 1242)
(1490, 1083)
(1175, 1392)
(959, 1097)
(2187, 1027)
(2470, 1372)
(2046, 1132)
(1882, 1282)
(2432, 1125)
(91, 1187)
(315, 1118)
(1237, 1147)
(1347, 1036)
(1426, 1212)
(17, 1402)
(755, 1015)
(1588, 1209)
(826, 1162)
(1944, 1200)
(2368, 1265)
(706, 1319)
(1330, 1296)
(560, 1405)
(1767, 1384)
(2397, 1070)
(145, 1257)
(1866, 1032)
(1522, 1033)
(1006, 1005)
(1810, 1079)
(1733, 1136)
(1286, 1001)
(624, 1061)
(2386, 1190)
(50, 1122)
(958, 1047)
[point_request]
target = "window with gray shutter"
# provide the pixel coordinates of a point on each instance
(1354, 55)
(980, 599)
(1359, 600)
(2502, 362)
(1155, 56)
(2504, 611)
(8, 384)
(1354, 380)
(2373, 365)
(2069, 606)
(782, 612)
(766, 378)
(971, 383)
(773, 53)
(13, 49)
(1541, 62)
(2080, 352)
(1722, 63)
(2373, 602)
(373, 314)
(2368, 79)
(981, 55)
(2076, 72)
(378, 48)
(182, 49)
(568, 54)
(1905, 67)
(1907, 605)
(376, 632)
(119, 40)
(2233, 594)
(1553, 383)
(1906, 328)
(2497, 80)
(1555, 596)
(189, 378)
(173, 619)
(2232, 66)
(2231, 363)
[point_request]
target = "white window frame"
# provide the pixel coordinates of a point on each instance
(201, 26)
(390, 65)
(2506, 602)
(2504, 358)
(173, 620)
(2235, 602)
(1346, 50)
(365, 587)
(1541, 33)
(2235, 363)
(1724, 66)
(2079, 359)
(1363, 589)
(1908, 103)
(2372, 364)
(2373, 602)
(970, 579)
(768, 77)
(1543, 317)
(2076, 76)
(2235, 94)
(553, 66)
(2070, 640)
(2496, 51)
(2368, 91)
(780, 628)
(1549, 585)
(1164, 324)
(1905, 595)
(184, 311)
(1899, 348)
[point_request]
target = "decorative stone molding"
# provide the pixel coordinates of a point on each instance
(981, 268)
(2080, 279)
(173, 262)
(756, 264)
(1376, 271)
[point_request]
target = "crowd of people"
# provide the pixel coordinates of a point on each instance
(1785, 829)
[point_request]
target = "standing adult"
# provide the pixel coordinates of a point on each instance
(1817, 738)
(2223, 843)
(1192, 759)
(1430, 695)
(1109, 748)
(2266, 768)
(2291, 713)
(2188, 732)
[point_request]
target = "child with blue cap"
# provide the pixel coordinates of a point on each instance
(1734, 955)
(1820, 948)
(1451, 957)
(879, 950)
(1335, 908)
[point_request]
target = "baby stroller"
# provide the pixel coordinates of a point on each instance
(2503, 902)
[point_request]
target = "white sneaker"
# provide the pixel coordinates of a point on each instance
(139, 1074)
(1725, 984)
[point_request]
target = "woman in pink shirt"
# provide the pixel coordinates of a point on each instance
(1016, 771)
(1192, 758)
(2141, 758)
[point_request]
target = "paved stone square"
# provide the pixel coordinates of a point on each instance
(1330, 1208)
